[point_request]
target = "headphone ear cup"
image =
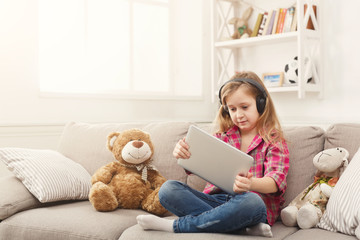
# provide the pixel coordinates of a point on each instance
(225, 108)
(225, 111)
(260, 104)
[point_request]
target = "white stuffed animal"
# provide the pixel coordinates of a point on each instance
(307, 208)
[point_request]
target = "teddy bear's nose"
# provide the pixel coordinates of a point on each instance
(137, 144)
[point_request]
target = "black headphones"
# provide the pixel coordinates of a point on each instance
(260, 99)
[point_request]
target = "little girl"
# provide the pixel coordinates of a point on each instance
(246, 120)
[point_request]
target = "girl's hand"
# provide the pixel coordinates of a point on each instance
(181, 150)
(242, 183)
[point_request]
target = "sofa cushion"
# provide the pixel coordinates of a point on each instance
(318, 234)
(304, 143)
(14, 197)
(47, 174)
(137, 233)
(86, 144)
(346, 135)
(165, 135)
(76, 221)
(342, 211)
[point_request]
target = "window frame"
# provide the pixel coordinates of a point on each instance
(132, 94)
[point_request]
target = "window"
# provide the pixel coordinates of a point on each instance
(120, 47)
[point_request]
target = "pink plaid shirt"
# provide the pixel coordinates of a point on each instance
(270, 161)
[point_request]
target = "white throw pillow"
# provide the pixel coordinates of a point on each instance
(47, 174)
(343, 209)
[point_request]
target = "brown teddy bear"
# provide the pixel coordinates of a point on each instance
(131, 182)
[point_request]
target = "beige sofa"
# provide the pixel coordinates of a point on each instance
(24, 217)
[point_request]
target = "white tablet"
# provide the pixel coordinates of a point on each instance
(214, 160)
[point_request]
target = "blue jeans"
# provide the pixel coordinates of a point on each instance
(200, 212)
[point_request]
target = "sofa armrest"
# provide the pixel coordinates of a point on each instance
(14, 197)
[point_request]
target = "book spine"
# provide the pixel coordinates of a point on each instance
(262, 25)
(267, 22)
(288, 19)
(271, 24)
(294, 21)
(257, 25)
(276, 21)
(281, 21)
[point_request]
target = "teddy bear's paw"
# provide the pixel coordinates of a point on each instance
(288, 216)
(326, 189)
(102, 197)
(152, 204)
(308, 216)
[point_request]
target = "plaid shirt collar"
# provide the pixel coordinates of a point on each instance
(234, 133)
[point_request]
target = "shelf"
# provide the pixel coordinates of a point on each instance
(306, 42)
(257, 41)
(268, 39)
(310, 87)
(283, 89)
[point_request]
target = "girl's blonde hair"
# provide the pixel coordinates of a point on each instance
(268, 124)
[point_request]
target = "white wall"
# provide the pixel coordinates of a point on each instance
(21, 105)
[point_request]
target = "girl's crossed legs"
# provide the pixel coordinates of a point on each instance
(200, 212)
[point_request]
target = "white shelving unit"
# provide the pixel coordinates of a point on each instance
(308, 44)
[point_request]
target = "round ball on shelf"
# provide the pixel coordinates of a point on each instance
(291, 71)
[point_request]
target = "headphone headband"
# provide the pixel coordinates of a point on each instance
(248, 80)
(260, 99)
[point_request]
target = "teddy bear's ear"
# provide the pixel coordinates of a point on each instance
(346, 157)
(147, 133)
(233, 20)
(111, 139)
(247, 13)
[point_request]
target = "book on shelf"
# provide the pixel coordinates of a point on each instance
(276, 21)
(294, 22)
(268, 20)
(288, 19)
(257, 25)
(262, 25)
(271, 23)
(281, 20)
